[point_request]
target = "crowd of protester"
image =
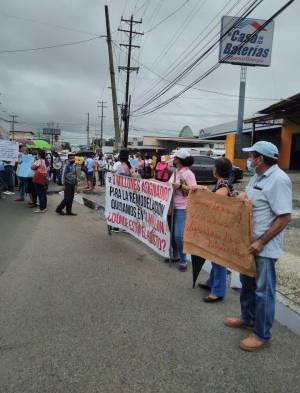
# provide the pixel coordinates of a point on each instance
(269, 190)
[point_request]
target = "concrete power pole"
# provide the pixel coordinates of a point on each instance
(239, 142)
(112, 81)
(88, 130)
(101, 128)
(128, 69)
(13, 122)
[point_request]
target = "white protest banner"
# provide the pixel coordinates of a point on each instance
(140, 207)
(8, 151)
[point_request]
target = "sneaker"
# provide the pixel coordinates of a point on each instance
(71, 214)
(19, 200)
(6, 192)
(40, 211)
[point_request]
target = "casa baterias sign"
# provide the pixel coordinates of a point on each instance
(235, 50)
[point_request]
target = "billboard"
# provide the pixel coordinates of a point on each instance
(51, 131)
(233, 46)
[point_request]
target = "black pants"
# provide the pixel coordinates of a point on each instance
(41, 191)
(9, 177)
(101, 177)
(68, 199)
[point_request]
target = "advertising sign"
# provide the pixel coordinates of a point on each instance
(219, 228)
(140, 207)
(51, 131)
(258, 48)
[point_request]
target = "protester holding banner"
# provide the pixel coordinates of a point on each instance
(270, 191)
(218, 274)
(182, 176)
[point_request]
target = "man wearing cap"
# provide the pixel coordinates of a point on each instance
(69, 180)
(270, 191)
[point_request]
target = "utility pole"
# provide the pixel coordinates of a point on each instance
(128, 69)
(239, 142)
(112, 81)
(88, 130)
(13, 121)
(101, 128)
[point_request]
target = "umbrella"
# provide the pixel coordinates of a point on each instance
(40, 144)
(24, 141)
(197, 263)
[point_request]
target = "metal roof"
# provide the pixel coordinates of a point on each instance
(288, 108)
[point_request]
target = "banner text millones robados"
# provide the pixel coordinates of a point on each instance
(257, 50)
(140, 207)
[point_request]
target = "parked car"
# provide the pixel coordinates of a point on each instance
(203, 169)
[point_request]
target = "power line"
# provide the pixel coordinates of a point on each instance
(184, 56)
(199, 59)
(53, 46)
(217, 65)
(57, 26)
(168, 17)
(220, 93)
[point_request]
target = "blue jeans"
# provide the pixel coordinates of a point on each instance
(177, 236)
(258, 298)
(217, 280)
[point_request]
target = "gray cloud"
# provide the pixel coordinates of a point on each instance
(62, 84)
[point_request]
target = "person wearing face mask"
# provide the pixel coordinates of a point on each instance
(270, 191)
(182, 176)
(69, 180)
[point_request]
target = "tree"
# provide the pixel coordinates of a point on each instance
(66, 146)
(110, 142)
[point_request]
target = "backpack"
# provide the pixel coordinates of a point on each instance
(162, 172)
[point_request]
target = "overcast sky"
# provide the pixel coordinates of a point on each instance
(64, 83)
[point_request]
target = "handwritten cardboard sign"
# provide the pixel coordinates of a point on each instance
(140, 207)
(219, 228)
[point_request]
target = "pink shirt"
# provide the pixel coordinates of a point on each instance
(188, 177)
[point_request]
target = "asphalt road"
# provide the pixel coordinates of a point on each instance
(83, 312)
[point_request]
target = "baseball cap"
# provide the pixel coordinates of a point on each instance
(71, 154)
(264, 148)
(182, 154)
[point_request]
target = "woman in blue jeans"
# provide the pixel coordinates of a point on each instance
(182, 176)
(216, 284)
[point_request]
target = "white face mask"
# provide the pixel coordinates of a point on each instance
(253, 166)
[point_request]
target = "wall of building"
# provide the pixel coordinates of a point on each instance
(288, 129)
(230, 142)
